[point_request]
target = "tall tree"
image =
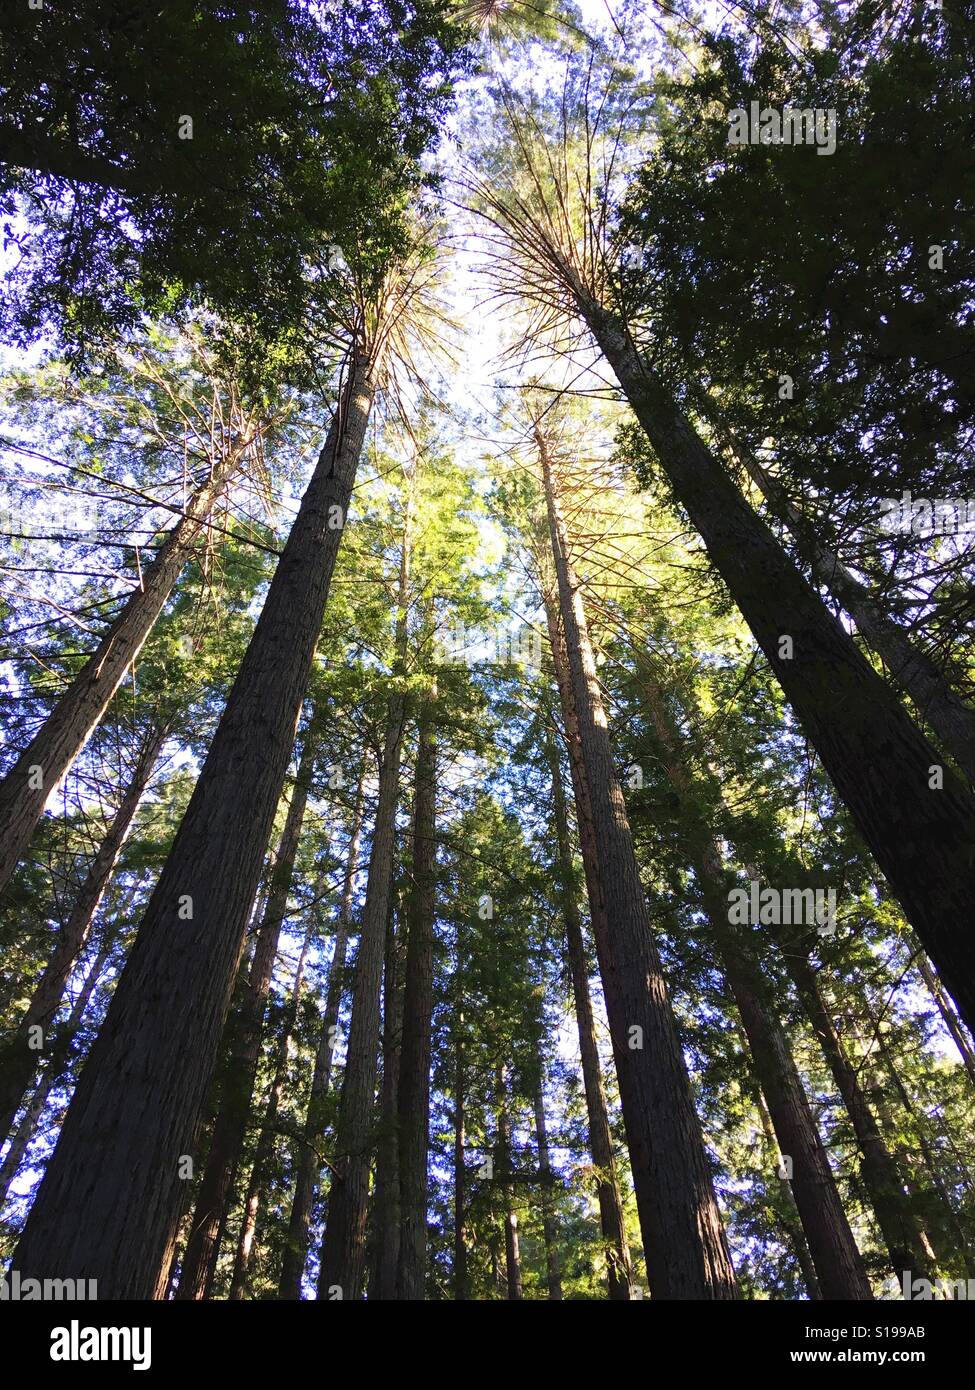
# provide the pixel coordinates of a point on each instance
(686, 1252)
(417, 1041)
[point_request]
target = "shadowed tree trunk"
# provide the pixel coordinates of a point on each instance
(386, 1191)
(546, 1176)
(18, 1059)
(417, 1041)
(920, 833)
(306, 1182)
(839, 1266)
(461, 1290)
(216, 1187)
(512, 1244)
(264, 1155)
(686, 1250)
(953, 1241)
(26, 788)
(343, 1242)
(786, 1215)
(899, 1226)
(619, 1271)
(108, 1205)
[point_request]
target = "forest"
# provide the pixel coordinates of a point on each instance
(487, 578)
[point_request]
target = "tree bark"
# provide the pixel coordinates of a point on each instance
(901, 1231)
(18, 1059)
(66, 730)
(109, 1202)
(306, 1182)
(922, 836)
(612, 1224)
(684, 1240)
(216, 1187)
(343, 1243)
(417, 1040)
(461, 1291)
(552, 1268)
(512, 1244)
(839, 1265)
(386, 1192)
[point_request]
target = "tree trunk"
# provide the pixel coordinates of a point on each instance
(953, 1231)
(306, 1182)
(899, 1226)
(909, 665)
(260, 1169)
(343, 1243)
(839, 1266)
(787, 1216)
(687, 1254)
(921, 835)
(109, 1202)
(19, 1059)
(417, 1040)
(29, 784)
(216, 1187)
(386, 1194)
(547, 1178)
(512, 1244)
(612, 1224)
(948, 1015)
(461, 1292)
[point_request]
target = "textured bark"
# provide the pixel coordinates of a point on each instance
(343, 1242)
(306, 1181)
(66, 730)
(899, 1226)
(109, 1202)
(512, 1244)
(417, 1039)
(684, 1240)
(552, 1268)
(386, 1193)
(612, 1224)
(17, 1059)
(923, 838)
(264, 1154)
(230, 1125)
(461, 1291)
(839, 1266)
